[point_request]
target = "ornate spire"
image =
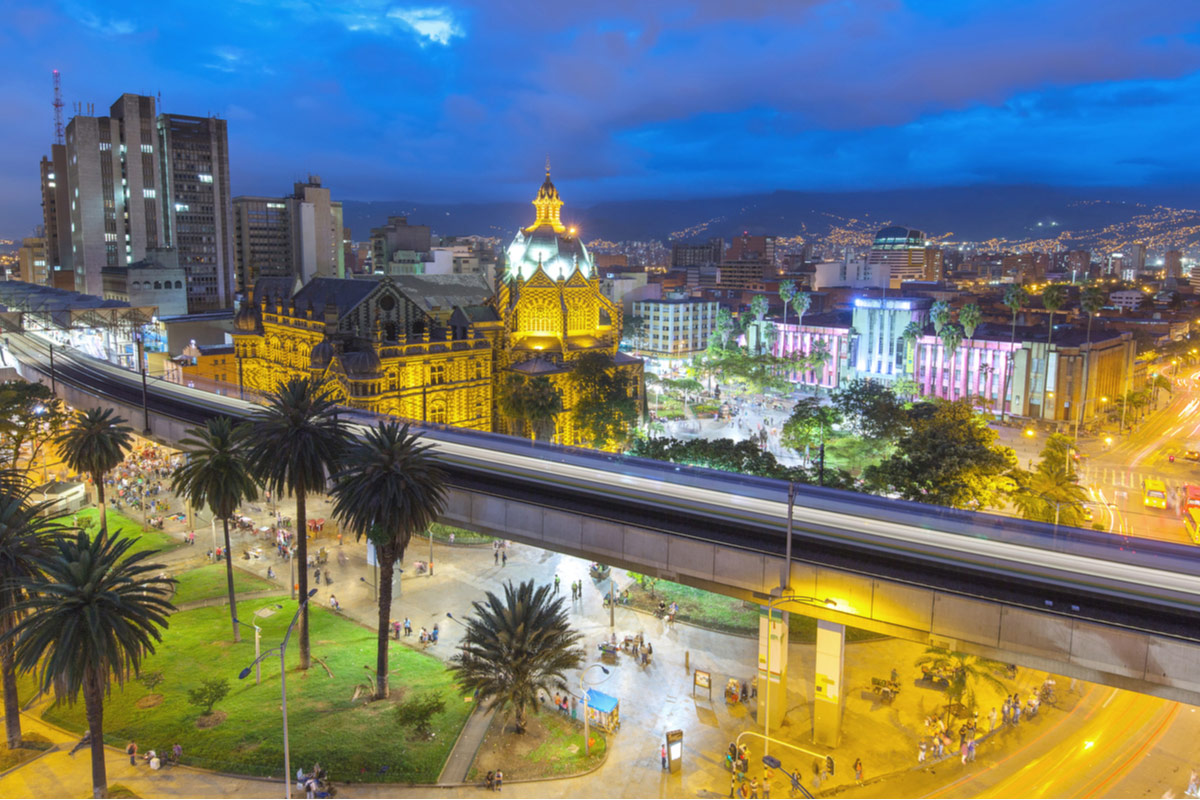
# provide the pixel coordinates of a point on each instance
(547, 204)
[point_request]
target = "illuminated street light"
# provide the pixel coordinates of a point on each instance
(1030, 432)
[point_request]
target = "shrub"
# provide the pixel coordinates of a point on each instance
(209, 693)
(418, 711)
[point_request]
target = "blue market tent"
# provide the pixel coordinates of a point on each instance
(604, 710)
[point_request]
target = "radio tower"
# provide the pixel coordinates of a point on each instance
(58, 107)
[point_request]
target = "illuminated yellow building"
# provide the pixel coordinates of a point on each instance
(417, 346)
(434, 347)
(552, 308)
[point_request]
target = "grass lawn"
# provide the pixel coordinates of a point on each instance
(441, 533)
(552, 746)
(352, 739)
(35, 745)
(207, 582)
(726, 614)
(121, 525)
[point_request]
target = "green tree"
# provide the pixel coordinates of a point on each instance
(969, 316)
(389, 489)
(870, 409)
(26, 539)
(1091, 300)
(534, 403)
(809, 425)
(724, 328)
(967, 675)
(1054, 297)
(637, 325)
(1015, 298)
(1051, 493)
(90, 619)
(801, 302)
(210, 692)
(948, 457)
(30, 417)
(940, 314)
(295, 439)
(759, 307)
(787, 290)
(216, 476)
(517, 646)
(94, 444)
(417, 712)
(952, 337)
(605, 400)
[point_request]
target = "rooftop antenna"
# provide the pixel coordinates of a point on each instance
(58, 107)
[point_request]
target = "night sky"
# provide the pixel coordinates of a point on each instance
(463, 101)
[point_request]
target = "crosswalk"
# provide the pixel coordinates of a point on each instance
(1119, 478)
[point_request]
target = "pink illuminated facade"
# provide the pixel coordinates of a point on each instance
(805, 338)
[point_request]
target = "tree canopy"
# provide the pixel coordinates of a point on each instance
(606, 401)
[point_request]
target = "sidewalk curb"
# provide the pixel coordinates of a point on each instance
(53, 748)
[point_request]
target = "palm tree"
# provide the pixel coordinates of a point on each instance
(1091, 300)
(91, 620)
(293, 442)
(787, 290)
(966, 674)
(969, 316)
(26, 538)
(216, 475)
(1051, 493)
(939, 314)
(1015, 298)
(93, 445)
(912, 331)
(1054, 297)
(801, 302)
(389, 489)
(951, 336)
(533, 402)
(516, 647)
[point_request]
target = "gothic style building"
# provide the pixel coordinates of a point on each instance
(434, 347)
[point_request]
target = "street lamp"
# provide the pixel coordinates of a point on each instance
(287, 756)
(467, 639)
(258, 638)
(587, 748)
(139, 336)
(785, 596)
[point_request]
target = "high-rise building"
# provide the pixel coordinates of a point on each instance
(32, 261)
(934, 266)
(296, 236)
(399, 248)
(751, 248)
(1135, 257)
(1173, 263)
(196, 206)
(898, 253)
(112, 178)
(56, 220)
(1079, 262)
(694, 255)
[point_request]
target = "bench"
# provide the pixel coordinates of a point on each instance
(885, 688)
(935, 676)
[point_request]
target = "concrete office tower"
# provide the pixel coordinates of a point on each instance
(56, 218)
(296, 236)
(197, 206)
(32, 261)
(1173, 264)
(399, 248)
(899, 254)
(112, 177)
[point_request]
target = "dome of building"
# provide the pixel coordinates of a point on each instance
(898, 238)
(548, 243)
(360, 362)
(248, 319)
(321, 355)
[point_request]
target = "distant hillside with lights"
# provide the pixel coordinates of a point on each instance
(1000, 216)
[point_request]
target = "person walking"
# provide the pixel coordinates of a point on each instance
(921, 752)
(504, 558)
(1005, 711)
(131, 749)
(858, 770)
(407, 626)
(754, 788)
(664, 756)
(495, 555)
(556, 582)
(992, 720)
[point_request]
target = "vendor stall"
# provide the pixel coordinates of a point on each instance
(603, 710)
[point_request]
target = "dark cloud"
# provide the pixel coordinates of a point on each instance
(463, 100)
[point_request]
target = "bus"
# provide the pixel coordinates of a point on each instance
(1191, 522)
(1154, 493)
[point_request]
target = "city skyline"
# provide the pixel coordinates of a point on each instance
(458, 102)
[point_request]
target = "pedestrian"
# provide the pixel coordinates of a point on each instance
(491, 781)
(754, 788)
(407, 626)
(177, 754)
(992, 720)
(1016, 713)
(921, 752)
(971, 750)
(131, 749)
(504, 558)
(496, 555)
(858, 770)
(499, 779)
(766, 784)
(664, 756)
(556, 582)
(334, 604)
(962, 749)
(1005, 710)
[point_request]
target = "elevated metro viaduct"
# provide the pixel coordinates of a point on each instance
(1092, 606)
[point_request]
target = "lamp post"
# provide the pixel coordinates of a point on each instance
(287, 756)
(140, 336)
(257, 640)
(467, 640)
(53, 387)
(783, 597)
(587, 748)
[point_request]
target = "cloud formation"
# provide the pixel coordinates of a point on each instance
(463, 100)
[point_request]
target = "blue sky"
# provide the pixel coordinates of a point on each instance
(463, 101)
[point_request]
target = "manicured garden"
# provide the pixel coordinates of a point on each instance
(207, 582)
(35, 745)
(120, 525)
(551, 747)
(441, 533)
(354, 739)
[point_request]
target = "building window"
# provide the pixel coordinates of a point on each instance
(437, 374)
(437, 413)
